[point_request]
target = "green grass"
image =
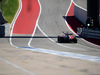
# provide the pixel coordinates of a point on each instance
(10, 8)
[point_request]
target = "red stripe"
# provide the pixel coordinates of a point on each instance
(71, 10)
(70, 13)
(27, 18)
(74, 23)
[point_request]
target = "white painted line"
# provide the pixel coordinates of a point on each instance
(18, 67)
(14, 20)
(35, 25)
(66, 54)
(52, 39)
(79, 6)
(47, 35)
(12, 26)
(44, 33)
(16, 15)
(66, 21)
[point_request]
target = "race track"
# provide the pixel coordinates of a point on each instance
(51, 24)
(35, 31)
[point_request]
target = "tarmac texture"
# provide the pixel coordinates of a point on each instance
(21, 54)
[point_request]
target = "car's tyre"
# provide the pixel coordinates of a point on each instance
(60, 39)
(75, 40)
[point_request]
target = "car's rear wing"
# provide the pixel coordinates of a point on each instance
(67, 33)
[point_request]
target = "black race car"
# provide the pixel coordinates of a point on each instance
(67, 38)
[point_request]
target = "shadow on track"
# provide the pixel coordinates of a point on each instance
(29, 37)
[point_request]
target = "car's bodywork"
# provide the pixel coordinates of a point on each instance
(67, 38)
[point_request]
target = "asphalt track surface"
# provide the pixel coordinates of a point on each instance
(50, 24)
(32, 52)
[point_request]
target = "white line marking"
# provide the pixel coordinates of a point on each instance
(18, 67)
(47, 35)
(67, 54)
(79, 6)
(14, 20)
(12, 26)
(35, 25)
(66, 21)
(16, 15)
(67, 26)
